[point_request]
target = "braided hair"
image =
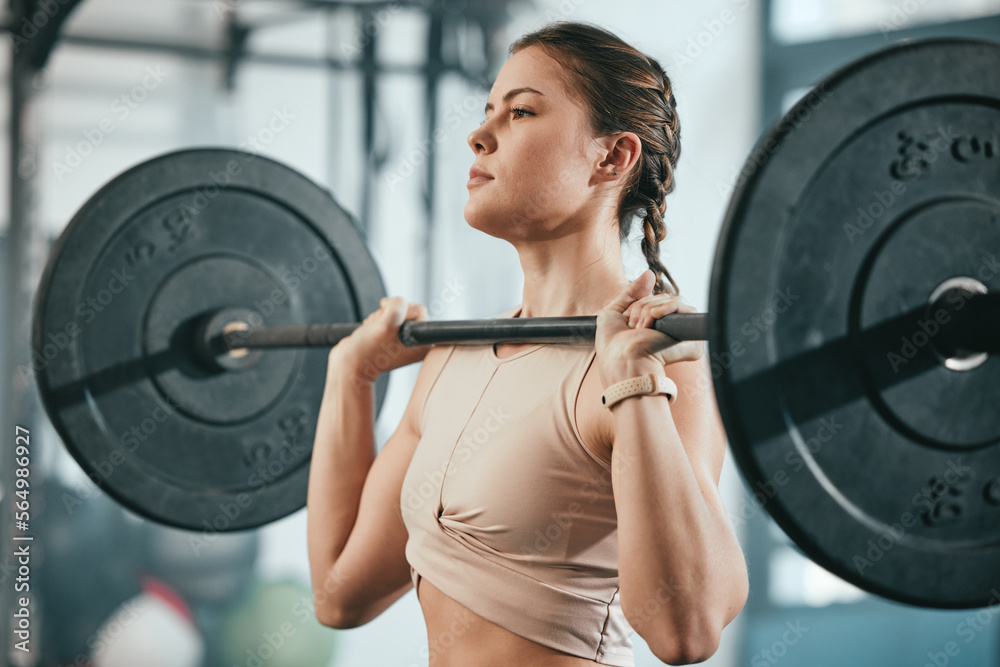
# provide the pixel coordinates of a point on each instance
(625, 91)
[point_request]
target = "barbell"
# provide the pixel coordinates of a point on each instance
(853, 326)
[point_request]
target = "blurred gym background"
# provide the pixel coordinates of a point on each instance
(374, 101)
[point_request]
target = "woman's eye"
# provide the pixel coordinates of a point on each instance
(517, 111)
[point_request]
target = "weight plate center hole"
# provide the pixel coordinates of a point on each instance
(945, 307)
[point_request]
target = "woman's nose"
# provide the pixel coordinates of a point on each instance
(480, 139)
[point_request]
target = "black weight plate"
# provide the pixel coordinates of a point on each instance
(115, 321)
(880, 462)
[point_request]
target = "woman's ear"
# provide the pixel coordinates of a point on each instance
(621, 152)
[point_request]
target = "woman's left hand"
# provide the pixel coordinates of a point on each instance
(626, 344)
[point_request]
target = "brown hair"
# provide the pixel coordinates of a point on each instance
(625, 91)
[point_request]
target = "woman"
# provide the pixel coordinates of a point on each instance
(539, 526)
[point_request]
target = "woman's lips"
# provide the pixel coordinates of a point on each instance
(478, 177)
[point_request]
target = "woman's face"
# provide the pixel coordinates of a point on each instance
(537, 147)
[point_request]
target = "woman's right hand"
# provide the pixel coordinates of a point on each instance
(374, 348)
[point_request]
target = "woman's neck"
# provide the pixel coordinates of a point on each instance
(571, 275)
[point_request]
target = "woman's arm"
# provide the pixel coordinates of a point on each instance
(342, 458)
(682, 572)
(342, 455)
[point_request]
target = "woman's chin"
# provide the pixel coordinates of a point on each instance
(477, 219)
(478, 225)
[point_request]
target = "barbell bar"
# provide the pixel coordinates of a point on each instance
(227, 331)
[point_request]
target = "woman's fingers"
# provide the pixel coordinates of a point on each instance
(417, 311)
(633, 310)
(644, 311)
(691, 350)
